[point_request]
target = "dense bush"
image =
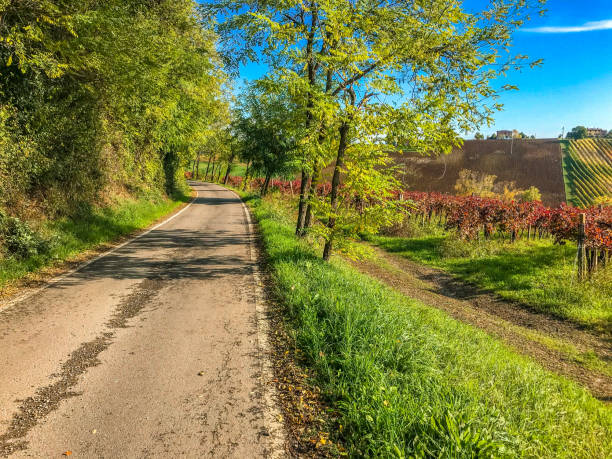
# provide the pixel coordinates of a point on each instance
(18, 239)
(98, 96)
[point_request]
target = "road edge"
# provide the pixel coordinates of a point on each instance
(8, 304)
(273, 418)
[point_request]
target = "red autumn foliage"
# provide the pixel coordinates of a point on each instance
(469, 215)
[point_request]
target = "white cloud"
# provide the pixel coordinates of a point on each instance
(588, 27)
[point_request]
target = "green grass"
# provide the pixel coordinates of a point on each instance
(536, 273)
(239, 170)
(407, 380)
(94, 226)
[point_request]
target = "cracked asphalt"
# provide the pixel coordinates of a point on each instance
(150, 351)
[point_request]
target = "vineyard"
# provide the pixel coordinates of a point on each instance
(587, 170)
(473, 217)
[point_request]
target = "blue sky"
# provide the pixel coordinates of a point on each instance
(574, 84)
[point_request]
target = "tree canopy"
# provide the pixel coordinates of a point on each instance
(100, 95)
(372, 76)
(578, 132)
(266, 132)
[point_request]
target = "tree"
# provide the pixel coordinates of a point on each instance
(343, 61)
(377, 48)
(531, 194)
(609, 134)
(578, 132)
(478, 136)
(264, 132)
(113, 94)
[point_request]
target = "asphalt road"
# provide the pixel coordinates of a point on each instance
(150, 351)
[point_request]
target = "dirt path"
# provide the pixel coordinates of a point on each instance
(154, 350)
(557, 345)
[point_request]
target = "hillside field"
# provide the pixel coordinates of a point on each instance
(525, 162)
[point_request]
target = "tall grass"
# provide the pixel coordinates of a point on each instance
(89, 228)
(407, 380)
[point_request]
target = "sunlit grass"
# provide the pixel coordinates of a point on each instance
(536, 273)
(407, 380)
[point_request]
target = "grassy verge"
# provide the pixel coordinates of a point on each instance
(406, 379)
(69, 237)
(536, 273)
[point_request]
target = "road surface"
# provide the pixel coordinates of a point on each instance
(150, 351)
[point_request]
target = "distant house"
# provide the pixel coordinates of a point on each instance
(514, 134)
(596, 132)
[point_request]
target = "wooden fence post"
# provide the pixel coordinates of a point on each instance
(581, 247)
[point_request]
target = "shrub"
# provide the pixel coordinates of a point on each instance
(603, 201)
(531, 194)
(475, 183)
(19, 239)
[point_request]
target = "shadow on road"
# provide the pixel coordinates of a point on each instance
(176, 253)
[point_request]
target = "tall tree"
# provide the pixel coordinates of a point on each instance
(578, 132)
(265, 133)
(406, 72)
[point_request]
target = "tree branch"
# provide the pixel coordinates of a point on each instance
(354, 78)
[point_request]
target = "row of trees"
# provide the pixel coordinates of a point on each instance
(102, 95)
(520, 135)
(349, 81)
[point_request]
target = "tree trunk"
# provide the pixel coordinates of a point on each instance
(301, 207)
(197, 176)
(311, 191)
(229, 168)
(264, 187)
(331, 222)
(246, 176)
(219, 172)
(207, 166)
(312, 77)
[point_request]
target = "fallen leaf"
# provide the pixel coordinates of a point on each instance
(94, 431)
(67, 453)
(201, 373)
